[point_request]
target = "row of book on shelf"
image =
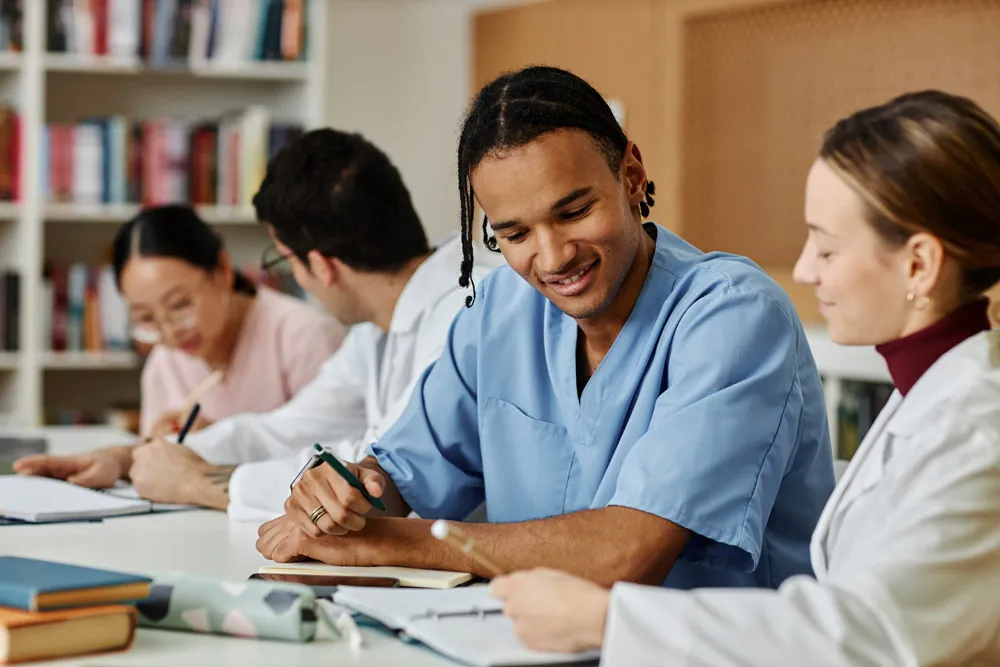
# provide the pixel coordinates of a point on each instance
(167, 33)
(82, 310)
(114, 160)
(860, 403)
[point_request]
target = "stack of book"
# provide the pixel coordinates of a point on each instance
(53, 610)
(168, 33)
(116, 161)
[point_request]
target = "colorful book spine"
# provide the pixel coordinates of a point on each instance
(114, 161)
(169, 32)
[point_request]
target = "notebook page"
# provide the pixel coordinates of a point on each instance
(39, 499)
(486, 642)
(395, 607)
(408, 576)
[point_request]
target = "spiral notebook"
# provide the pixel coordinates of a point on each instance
(464, 624)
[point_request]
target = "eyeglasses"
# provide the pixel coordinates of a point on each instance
(272, 257)
(180, 315)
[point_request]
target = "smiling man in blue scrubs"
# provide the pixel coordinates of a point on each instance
(629, 407)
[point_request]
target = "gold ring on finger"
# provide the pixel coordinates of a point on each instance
(317, 513)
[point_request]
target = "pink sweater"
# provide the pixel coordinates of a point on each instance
(281, 346)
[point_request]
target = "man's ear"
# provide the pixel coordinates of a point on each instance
(634, 174)
(325, 269)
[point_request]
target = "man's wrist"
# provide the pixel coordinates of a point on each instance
(387, 541)
(210, 486)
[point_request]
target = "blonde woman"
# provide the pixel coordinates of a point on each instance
(903, 218)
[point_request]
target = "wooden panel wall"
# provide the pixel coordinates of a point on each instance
(610, 43)
(761, 85)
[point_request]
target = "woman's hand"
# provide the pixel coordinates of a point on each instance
(552, 610)
(171, 422)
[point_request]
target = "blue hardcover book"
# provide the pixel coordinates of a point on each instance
(38, 585)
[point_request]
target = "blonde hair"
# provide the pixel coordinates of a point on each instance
(927, 162)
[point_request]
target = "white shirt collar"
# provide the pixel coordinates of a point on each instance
(435, 277)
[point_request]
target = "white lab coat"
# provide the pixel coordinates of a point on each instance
(906, 552)
(359, 392)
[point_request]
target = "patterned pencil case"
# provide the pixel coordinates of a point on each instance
(252, 609)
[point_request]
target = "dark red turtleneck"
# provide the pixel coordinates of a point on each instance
(909, 357)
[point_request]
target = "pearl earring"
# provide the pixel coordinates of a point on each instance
(918, 302)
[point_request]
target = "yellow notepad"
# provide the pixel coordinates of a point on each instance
(407, 576)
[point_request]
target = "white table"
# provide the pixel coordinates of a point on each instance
(202, 543)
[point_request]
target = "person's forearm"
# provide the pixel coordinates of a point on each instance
(395, 506)
(605, 545)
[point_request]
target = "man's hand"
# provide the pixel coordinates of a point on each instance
(168, 473)
(283, 541)
(552, 610)
(171, 422)
(346, 507)
(97, 470)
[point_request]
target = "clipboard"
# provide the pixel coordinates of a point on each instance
(464, 624)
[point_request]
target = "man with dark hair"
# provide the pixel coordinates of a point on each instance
(629, 407)
(339, 214)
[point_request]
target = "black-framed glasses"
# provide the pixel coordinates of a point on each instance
(272, 258)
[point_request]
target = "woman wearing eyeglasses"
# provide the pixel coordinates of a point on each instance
(200, 315)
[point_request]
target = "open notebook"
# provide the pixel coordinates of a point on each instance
(43, 500)
(407, 576)
(464, 624)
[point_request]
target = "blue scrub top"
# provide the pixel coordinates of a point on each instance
(707, 411)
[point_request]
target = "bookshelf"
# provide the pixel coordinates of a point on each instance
(47, 87)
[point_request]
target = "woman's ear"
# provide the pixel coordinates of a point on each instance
(926, 263)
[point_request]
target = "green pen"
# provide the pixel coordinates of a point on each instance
(348, 476)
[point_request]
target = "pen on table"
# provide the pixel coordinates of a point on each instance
(456, 537)
(189, 423)
(348, 476)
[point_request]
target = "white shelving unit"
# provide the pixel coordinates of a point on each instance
(48, 87)
(837, 363)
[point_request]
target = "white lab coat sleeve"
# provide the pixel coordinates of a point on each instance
(916, 592)
(257, 491)
(330, 408)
